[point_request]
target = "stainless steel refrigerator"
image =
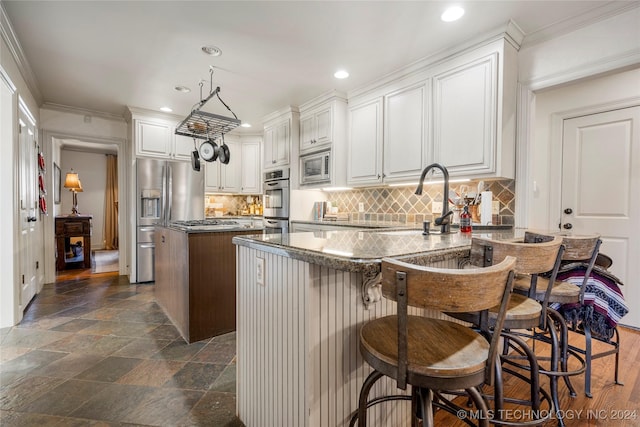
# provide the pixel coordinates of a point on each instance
(166, 191)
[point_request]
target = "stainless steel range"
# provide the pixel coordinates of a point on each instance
(206, 224)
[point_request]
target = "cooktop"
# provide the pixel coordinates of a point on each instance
(201, 222)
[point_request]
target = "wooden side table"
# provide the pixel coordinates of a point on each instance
(66, 228)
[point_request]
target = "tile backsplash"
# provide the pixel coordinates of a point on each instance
(400, 204)
(229, 204)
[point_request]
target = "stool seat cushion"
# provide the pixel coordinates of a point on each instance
(436, 348)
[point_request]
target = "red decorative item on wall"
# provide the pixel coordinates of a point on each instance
(41, 162)
(43, 205)
(41, 184)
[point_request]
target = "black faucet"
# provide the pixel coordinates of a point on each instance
(443, 221)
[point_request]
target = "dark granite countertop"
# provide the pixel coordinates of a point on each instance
(352, 250)
(218, 228)
(390, 224)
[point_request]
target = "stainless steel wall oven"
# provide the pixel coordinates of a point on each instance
(276, 201)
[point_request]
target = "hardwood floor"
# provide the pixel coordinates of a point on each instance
(611, 405)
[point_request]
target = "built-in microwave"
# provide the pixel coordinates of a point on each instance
(315, 168)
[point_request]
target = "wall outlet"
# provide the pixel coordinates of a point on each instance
(360, 207)
(436, 208)
(495, 207)
(260, 271)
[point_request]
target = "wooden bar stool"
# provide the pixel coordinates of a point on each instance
(522, 312)
(583, 250)
(434, 355)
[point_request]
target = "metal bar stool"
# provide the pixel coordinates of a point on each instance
(522, 313)
(434, 355)
(583, 250)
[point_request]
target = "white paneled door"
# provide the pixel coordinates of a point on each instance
(28, 154)
(601, 191)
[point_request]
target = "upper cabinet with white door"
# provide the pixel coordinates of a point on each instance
(219, 177)
(154, 136)
(458, 110)
(364, 156)
(251, 176)
(323, 131)
(405, 138)
(474, 98)
(322, 121)
(243, 174)
(281, 135)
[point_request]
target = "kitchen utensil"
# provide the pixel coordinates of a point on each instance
(223, 153)
(209, 150)
(480, 190)
(195, 160)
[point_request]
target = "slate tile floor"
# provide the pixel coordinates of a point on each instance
(98, 351)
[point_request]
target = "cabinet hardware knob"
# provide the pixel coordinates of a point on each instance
(378, 176)
(568, 226)
(568, 211)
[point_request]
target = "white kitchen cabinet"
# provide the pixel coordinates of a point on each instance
(364, 164)
(459, 112)
(184, 146)
(153, 139)
(154, 135)
(323, 128)
(251, 179)
(316, 129)
(277, 139)
(405, 138)
(473, 119)
(221, 178)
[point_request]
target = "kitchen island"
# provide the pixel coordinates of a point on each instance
(196, 275)
(304, 297)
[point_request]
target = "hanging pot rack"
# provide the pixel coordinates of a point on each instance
(204, 125)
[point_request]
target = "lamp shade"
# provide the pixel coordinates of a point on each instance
(71, 181)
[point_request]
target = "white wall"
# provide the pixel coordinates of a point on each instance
(92, 172)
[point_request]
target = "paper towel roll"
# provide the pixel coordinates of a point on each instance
(486, 197)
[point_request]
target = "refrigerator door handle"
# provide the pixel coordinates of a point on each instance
(163, 219)
(169, 192)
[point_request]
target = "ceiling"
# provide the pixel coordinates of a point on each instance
(106, 55)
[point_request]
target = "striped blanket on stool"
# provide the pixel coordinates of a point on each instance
(603, 306)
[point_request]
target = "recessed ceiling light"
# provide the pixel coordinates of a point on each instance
(245, 125)
(182, 89)
(452, 14)
(341, 74)
(212, 50)
(166, 109)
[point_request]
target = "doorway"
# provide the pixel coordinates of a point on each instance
(95, 166)
(77, 149)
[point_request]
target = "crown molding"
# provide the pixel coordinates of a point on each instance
(81, 111)
(9, 36)
(509, 31)
(579, 21)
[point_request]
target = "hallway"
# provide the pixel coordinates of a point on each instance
(95, 348)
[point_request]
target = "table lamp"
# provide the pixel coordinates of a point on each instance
(72, 182)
